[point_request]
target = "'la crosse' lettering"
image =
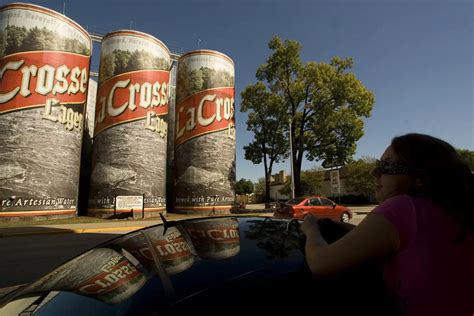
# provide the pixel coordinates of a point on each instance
(49, 80)
(213, 112)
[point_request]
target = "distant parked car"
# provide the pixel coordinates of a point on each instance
(318, 205)
(276, 204)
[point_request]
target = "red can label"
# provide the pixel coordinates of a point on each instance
(205, 112)
(133, 96)
(33, 79)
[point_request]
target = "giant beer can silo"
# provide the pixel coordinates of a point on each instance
(44, 62)
(129, 148)
(205, 133)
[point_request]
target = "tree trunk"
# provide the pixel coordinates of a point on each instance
(267, 191)
(297, 178)
(297, 170)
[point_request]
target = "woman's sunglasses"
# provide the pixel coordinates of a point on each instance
(384, 167)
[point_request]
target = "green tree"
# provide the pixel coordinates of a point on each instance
(74, 46)
(183, 84)
(207, 75)
(15, 37)
(243, 186)
(311, 182)
(260, 189)
(359, 176)
(121, 60)
(140, 59)
(468, 156)
(264, 120)
(160, 63)
(107, 67)
(326, 104)
(40, 39)
(3, 43)
(273, 237)
(196, 81)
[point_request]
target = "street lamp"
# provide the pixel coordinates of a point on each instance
(291, 161)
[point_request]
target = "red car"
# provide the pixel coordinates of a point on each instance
(320, 206)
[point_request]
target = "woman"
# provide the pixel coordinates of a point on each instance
(423, 229)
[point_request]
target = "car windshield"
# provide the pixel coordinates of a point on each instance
(295, 201)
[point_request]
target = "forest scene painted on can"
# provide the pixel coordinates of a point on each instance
(197, 73)
(24, 29)
(16, 39)
(131, 126)
(205, 133)
(45, 62)
(126, 53)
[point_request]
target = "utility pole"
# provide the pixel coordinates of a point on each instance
(291, 161)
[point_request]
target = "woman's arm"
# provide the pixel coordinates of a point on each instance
(374, 237)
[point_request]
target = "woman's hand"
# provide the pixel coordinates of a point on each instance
(310, 226)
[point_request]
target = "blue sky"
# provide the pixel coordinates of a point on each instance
(416, 56)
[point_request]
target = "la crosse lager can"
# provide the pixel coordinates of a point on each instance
(131, 128)
(44, 74)
(205, 133)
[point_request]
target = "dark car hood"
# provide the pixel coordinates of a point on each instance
(170, 268)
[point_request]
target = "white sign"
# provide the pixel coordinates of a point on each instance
(129, 202)
(335, 182)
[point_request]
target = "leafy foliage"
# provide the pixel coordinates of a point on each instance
(191, 81)
(468, 157)
(272, 236)
(21, 39)
(260, 189)
(359, 178)
(325, 102)
(311, 183)
(266, 121)
(243, 186)
(122, 61)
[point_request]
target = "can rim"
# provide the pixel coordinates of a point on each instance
(141, 34)
(38, 8)
(207, 52)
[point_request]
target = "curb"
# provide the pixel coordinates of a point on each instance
(107, 229)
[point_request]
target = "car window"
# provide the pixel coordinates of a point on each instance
(295, 201)
(326, 202)
(315, 202)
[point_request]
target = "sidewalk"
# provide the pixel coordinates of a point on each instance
(129, 224)
(104, 227)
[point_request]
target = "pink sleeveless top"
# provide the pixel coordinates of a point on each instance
(432, 273)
